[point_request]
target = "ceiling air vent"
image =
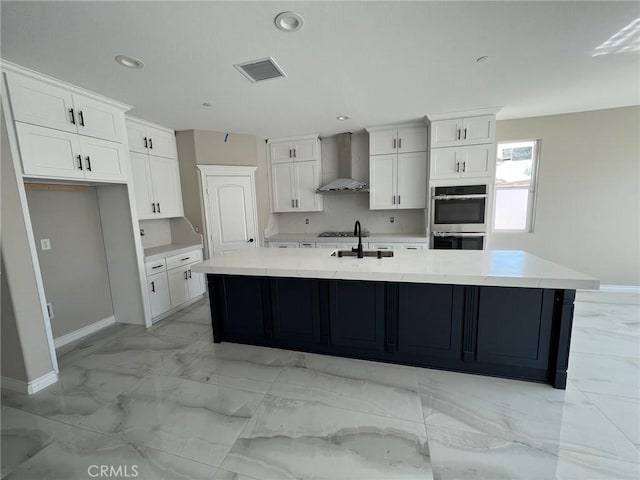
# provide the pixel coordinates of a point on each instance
(259, 70)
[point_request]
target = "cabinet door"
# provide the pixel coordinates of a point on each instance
(445, 133)
(162, 143)
(165, 181)
(137, 134)
(158, 285)
(356, 315)
(282, 178)
(412, 180)
(48, 152)
(98, 119)
(382, 179)
(195, 284)
(245, 309)
(412, 139)
(444, 163)
(305, 150)
(383, 142)
(476, 161)
(281, 152)
(307, 180)
(41, 104)
(178, 285)
(295, 306)
(141, 178)
(430, 320)
(103, 160)
(478, 129)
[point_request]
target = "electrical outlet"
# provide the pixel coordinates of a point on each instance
(197, 228)
(50, 311)
(45, 243)
(142, 232)
(306, 220)
(392, 219)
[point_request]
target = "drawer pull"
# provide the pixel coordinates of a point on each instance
(185, 258)
(158, 266)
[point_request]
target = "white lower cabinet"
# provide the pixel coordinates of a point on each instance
(284, 244)
(179, 285)
(349, 245)
(158, 293)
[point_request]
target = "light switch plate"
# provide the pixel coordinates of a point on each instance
(45, 243)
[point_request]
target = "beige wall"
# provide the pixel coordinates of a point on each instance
(74, 271)
(202, 147)
(588, 200)
(12, 355)
(27, 337)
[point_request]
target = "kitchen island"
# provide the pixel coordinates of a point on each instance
(500, 313)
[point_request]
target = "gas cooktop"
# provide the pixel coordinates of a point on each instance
(341, 234)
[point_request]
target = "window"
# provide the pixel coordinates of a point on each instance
(516, 167)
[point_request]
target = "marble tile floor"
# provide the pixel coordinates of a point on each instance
(166, 403)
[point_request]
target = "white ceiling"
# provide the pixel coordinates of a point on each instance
(378, 62)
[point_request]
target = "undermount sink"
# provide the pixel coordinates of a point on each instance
(365, 253)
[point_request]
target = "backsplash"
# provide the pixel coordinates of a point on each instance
(156, 232)
(342, 210)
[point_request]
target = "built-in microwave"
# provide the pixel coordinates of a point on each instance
(459, 209)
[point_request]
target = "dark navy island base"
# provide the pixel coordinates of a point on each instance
(520, 333)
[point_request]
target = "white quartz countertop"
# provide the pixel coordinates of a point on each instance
(155, 253)
(373, 237)
(506, 268)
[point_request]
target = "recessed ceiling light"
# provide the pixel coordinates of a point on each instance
(206, 104)
(130, 62)
(342, 117)
(484, 58)
(289, 21)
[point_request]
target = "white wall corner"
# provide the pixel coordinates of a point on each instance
(31, 387)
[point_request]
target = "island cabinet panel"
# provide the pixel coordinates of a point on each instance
(245, 309)
(357, 316)
(514, 326)
(295, 307)
(430, 320)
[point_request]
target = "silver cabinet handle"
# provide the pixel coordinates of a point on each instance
(394, 143)
(399, 143)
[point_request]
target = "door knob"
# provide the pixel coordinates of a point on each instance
(251, 240)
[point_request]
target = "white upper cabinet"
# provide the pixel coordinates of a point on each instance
(295, 174)
(463, 131)
(461, 162)
(383, 182)
(397, 140)
(142, 188)
(53, 153)
(145, 138)
(47, 105)
(301, 149)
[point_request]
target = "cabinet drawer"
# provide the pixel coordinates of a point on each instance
(156, 267)
(284, 245)
(184, 259)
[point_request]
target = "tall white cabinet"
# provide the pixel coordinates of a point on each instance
(397, 167)
(295, 174)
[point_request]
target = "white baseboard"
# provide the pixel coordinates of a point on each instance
(30, 387)
(164, 315)
(620, 288)
(84, 331)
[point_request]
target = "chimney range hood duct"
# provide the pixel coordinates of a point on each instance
(345, 182)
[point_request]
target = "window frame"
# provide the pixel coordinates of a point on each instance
(532, 189)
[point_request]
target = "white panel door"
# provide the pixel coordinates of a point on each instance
(98, 119)
(103, 160)
(159, 298)
(48, 152)
(444, 163)
(382, 177)
(412, 139)
(282, 182)
(305, 150)
(178, 285)
(143, 190)
(165, 181)
(195, 284)
(41, 104)
(281, 152)
(232, 222)
(412, 180)
(476, 161)
(445, 133)
(478, 129)
(383, 142)
(307, 180)
(161, 143)
(137, 135)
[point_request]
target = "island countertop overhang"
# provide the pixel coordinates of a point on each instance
(504, 268)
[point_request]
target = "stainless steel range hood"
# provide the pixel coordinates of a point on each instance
(345, 182)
